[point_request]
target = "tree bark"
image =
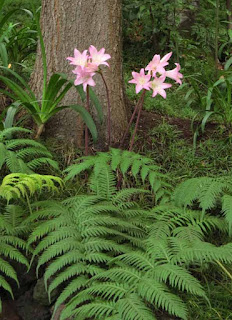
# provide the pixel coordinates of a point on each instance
(68, 24)
(229, 15)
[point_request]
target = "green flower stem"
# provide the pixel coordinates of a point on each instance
(132, 118)
(137, 121)
(86, 128)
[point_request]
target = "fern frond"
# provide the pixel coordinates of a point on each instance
(10, 249)
(20, 185)
(11, 131)
(205, 190)
(178, 277)
(129, 163)
(74, 286)
(21, 154)
(98, 310)
(155, 292)
(132, 308)
(227, 209)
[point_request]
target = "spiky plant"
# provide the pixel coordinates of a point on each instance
(22, 154)
(115, 260)
(130, 165)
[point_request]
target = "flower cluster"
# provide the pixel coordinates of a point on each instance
(87, 64)
(156, 75)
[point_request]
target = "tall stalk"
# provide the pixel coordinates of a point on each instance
(132, 118)
(137, 121)
(86, 128)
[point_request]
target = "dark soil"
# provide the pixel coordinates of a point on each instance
(149, 120)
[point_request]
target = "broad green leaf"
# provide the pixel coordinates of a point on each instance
(228, 63)
(3, 54)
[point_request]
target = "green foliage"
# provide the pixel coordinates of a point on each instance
(19, 185)
(117, 260)
(213, 100)
(208, 193)
(129, 164)
(18, 42)
(21, 154)
(11, 247)
(53, 93)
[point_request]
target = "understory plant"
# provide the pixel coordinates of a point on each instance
(114, 259)
(17, 41)
(214, 101)
(20, 154)
(131, 166)
(13, 189)
(207, 193)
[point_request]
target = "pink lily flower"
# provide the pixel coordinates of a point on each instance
(158, 86)
(98, 57)
(157, 64)
(175, 74)
(84, 77)
(141, 80)
(79, 59)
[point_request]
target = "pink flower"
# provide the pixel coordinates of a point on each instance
(157, 65)
(98, 57)
(84, 77)
(79, 59)
(141, 80)
(158, 86)
(175, 74)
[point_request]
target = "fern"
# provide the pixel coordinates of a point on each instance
(13, 228)
(116, 260)
(227, 209)
(208, 193)
(17, 185)
(128, 163)
(10, 249)
(23, 155)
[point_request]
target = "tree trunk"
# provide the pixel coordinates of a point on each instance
(68, 24)
(229, 14)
